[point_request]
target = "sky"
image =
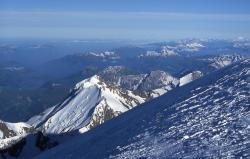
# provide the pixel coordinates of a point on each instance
(124, 19)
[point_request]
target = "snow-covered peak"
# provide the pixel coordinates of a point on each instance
(156, 83)
(8, 130)
(102, 54)
(102, 97)
(190, 46)
(157, 79)
(195, 45)
(11, 133)
(165, 51)
(176, 49)
(90, 82)
(151, 53)
(168, 51)
(224, 60)
(91, 103)
(105, 54)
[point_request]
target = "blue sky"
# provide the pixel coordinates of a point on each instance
(124, 19)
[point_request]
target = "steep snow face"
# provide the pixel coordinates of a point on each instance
(12, 132)
(224, 60)
(76, 112)
(208, 118)
(91, 103)
(190, 77)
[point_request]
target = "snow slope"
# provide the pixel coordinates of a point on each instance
(90, 96)
(190, 77)
(208, 118)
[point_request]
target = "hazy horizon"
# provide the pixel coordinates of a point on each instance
(134, 20)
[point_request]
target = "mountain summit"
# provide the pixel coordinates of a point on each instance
(102, 97)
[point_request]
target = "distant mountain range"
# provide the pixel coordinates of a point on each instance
(98, 99)
(31, 89)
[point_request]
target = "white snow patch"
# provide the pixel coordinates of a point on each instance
(190, 77)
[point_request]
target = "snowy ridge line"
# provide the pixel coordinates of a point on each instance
(98, 100)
